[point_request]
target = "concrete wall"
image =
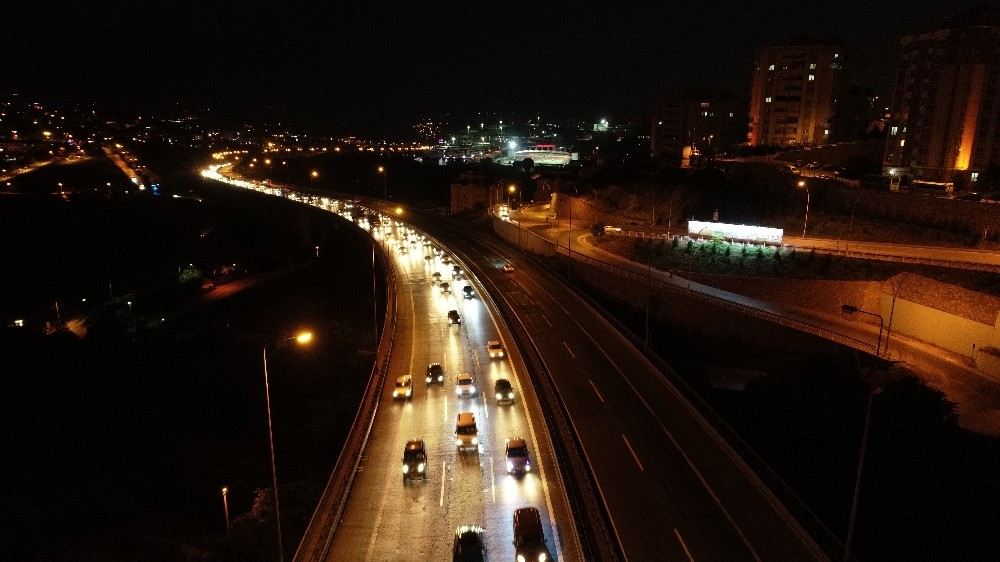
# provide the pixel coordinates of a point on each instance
(819, 295)
(944, 330)
(525, 239)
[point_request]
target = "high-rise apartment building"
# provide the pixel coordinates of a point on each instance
(697, 122)
(792, 94)
(945, 119)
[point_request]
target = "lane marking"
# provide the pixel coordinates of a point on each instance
(663, 428)
(597, 392)
(441, 500)
(546, 318)
(684, 545)
(493, 480)
(634, 456)
(486, 411)
(570, 351)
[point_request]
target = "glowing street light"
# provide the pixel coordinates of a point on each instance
(385, 181)
(314, 174)
(302, 338)
(225, 505)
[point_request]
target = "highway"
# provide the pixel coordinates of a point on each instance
(386, 518)
(673, 488)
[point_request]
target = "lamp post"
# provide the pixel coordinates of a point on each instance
(385, 182)
(851, 309)
(511, 190)
(301, 338)
(857, 480)
(225, 506)
(892, 309)
(805, 223)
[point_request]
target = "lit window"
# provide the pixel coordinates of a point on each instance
(730, 113)
(771, 67)
(812, 66)
(974, 176)
(826, 131)
(704, 104)
(767, 99)
(812, 77)
(836, 55)
(902, 143)
(893, 130)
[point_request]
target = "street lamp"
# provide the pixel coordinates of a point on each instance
(385, 182)
(314, 174)
(851, 309)
(857, 479)
(892, 309)
(225, 506)
(302, 338)
(805, 223)
(511, 189)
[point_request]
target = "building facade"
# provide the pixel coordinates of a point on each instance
(945, 118)
(697, 122)
(792, 94)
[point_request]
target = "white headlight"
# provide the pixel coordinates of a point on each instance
(499, 396)
(527, 466)
(406, 468)
(420, 467)
(428, 378)
(511, 396)
(542, 557)
(510, 466)
(520, 558)
(475, 440)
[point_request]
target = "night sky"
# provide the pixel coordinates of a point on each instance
(376, 65)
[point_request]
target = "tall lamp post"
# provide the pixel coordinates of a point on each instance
(851, 309)
(225, 505)
(302, 338)
(857, 480)
(805, 223)
(892, 309)
(385, 182)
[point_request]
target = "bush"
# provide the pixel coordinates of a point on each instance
(760, 254)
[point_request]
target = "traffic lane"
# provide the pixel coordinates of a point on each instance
(647, 491)
(748, 510)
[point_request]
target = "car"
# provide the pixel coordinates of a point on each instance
(507, 268)
(445, 288)
(445, 260)
(453, 317)
(466, 433)
(518, 461)
(495, 348)
(503, 391)
(414, 460)
(468, 292)
(469, 545)
(403, 250)
(456, 272)
(465, 385)
(404, 388)
(435, 373)
(428, 258)
(529, 539)
(436, 276)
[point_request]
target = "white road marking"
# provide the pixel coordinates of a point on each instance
(568, 350)
(445, 410)
(680, 539)
(597, 392)
(546, 318)
(493, 480)
(631, 450)
(441, 500)
(486, 411)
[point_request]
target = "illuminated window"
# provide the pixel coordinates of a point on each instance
(836, 55)
(826, 131)
(812, 66)
(902, 143)
(767, 99)
(704, 104)
(974, 176)
(812, 77)
(771, 67)
(893, 130)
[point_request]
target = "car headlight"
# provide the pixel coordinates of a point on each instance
(409, 391)
(511, 396)
(542, 557)
(527, 466)
(475, 440)
(458, 441)
(420, 467)
(520, 558)
(406, 468)
(440, 378)
(499, 396)
(472, 388)
(428, 378)
(500, 353)
(510, 466)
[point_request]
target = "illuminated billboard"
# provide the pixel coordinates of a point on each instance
(740, 232)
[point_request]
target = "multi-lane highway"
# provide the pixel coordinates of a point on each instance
(389, 519)
(673, 489)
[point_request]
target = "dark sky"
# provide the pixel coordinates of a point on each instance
(377, 63)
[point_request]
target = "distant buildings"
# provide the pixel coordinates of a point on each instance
(945, 120)
(697, 122)
(792, 94)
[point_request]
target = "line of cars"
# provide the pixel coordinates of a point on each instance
(469, 540)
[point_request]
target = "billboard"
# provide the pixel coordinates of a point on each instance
(739, 232)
